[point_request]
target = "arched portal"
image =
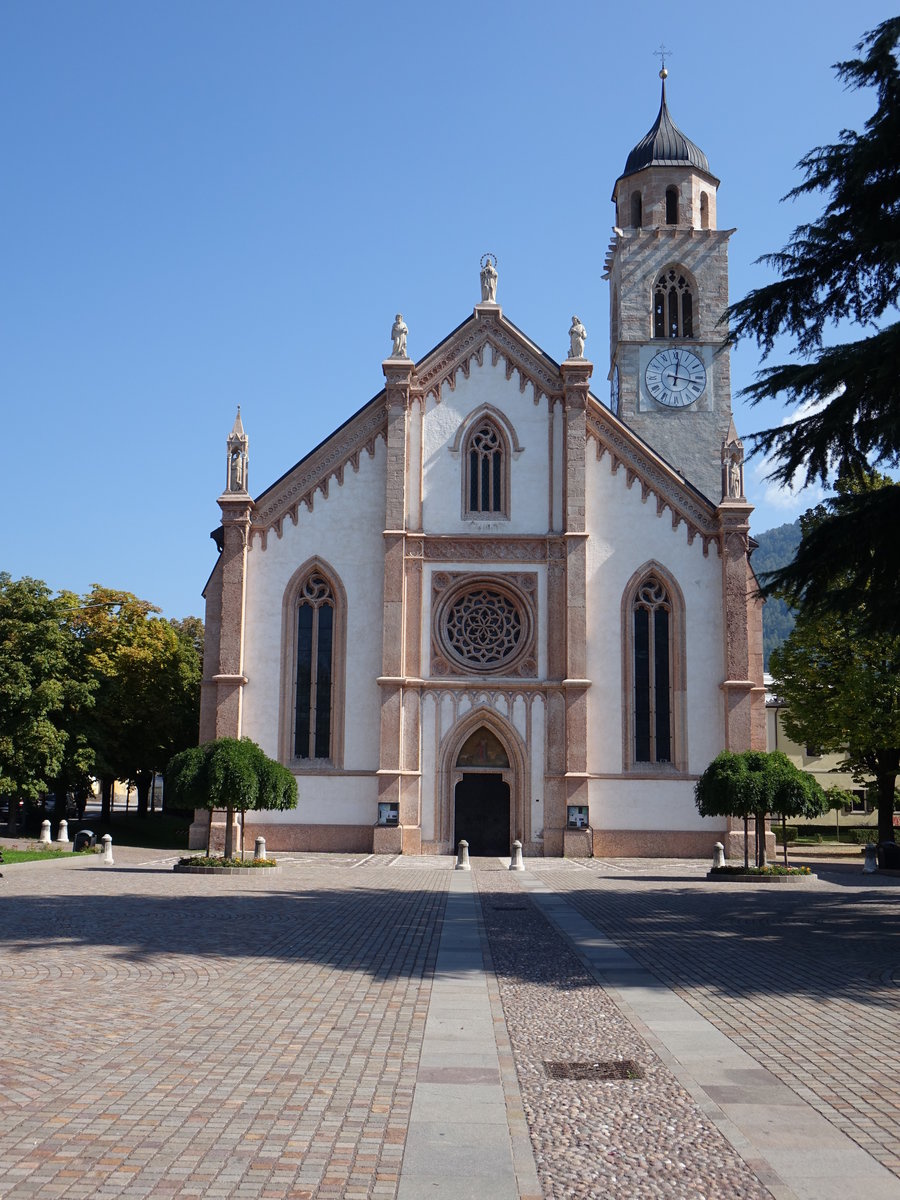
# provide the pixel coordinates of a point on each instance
(483, 770)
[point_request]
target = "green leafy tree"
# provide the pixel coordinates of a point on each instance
(755, 783)
(841, 685)
(148, 675)
(42, 688)
(842, 268)
(231, 774)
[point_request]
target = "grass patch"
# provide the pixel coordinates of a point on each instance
(19, 856)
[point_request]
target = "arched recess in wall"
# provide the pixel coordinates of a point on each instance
(654, 670)
(675, 303)
(313, 668)
(637, 210)
(487, 442)
(516, 774)
(673, 201)
(704, 210)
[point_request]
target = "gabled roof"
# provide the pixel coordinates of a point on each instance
(486, 331)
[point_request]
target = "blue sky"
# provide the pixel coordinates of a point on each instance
(209, 204)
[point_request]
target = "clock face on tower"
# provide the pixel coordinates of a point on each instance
(675, 377)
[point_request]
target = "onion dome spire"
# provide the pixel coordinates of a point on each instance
(665, 145)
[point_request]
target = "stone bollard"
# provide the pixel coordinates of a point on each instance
(462, 857)
(62, 834)
(515, 863)
(260, 851)
(107, 859)
(870, 866)
(718, 856)
(45, 833)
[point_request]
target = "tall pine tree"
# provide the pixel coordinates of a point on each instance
(843, 267)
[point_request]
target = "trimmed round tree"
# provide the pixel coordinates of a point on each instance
(233, 774)
(754, 783)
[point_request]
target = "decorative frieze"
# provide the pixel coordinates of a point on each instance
(654, 477)
(314, 472)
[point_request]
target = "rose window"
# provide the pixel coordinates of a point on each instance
(483, 628)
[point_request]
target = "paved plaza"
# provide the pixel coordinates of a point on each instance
(375, 1027)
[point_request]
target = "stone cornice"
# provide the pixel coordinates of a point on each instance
(488, 329)
(656, 478)
(313, 473)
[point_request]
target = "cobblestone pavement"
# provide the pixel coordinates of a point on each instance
(182, 1035)
(241, 1038)
(628, 1139)
(805, 978)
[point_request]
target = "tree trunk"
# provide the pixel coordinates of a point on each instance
(143, 780)
(229, 832)
(746, 842)
(760, 839)
(885, 781)
(107, 783)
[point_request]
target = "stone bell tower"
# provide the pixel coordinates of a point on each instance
(667, 268)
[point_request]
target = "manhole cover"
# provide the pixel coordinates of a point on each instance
(623, 1068)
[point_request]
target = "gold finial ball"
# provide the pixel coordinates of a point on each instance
(664, 74)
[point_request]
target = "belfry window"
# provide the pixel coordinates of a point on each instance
(486, 470)
(671, 206)
(652, 682)
(637, 215)
(673, 306)
(314, 680)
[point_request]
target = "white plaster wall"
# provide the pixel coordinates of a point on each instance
(625, 534)
(345, 529)
(327, 800)
(529, 470)
(647, 804)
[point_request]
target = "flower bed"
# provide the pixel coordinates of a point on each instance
(770, 874)
(201, 865)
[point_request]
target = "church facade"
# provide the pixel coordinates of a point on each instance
(495, 606)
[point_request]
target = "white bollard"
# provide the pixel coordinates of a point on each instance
(870, 866)
(462, 857)
(62, 834)
(107, 859)
(260, 851)
(515, 863)
(45, 833)
(718, 856)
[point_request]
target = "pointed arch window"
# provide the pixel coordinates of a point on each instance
(637, 214)
(487, 471)
(652, 674)
(674, 310)
(314, 677)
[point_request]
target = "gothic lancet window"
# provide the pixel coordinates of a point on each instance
(652, 673)
(486, 462)
(673, 306)
(314, 678)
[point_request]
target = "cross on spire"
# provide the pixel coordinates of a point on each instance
(662, 53)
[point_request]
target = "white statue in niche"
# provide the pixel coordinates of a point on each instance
(488, 279)
(237, 472)
(577, 338)
(398, 337)
(734, 478)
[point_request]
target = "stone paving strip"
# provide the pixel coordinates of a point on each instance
(803, 979)
(640, 1138)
